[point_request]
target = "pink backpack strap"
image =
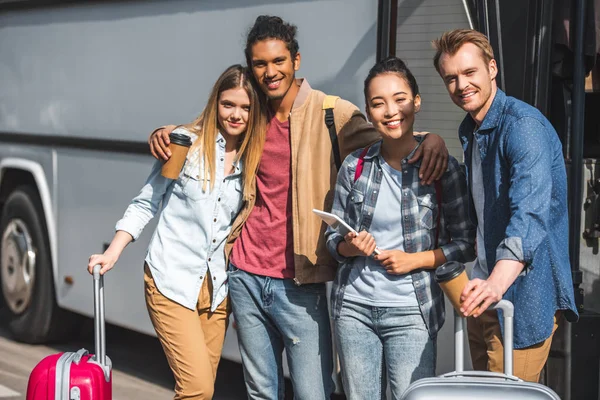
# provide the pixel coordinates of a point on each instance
(438, 197)
(360, 164)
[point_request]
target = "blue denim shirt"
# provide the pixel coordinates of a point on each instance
(525, 211)
(355, 203)
(192, 228)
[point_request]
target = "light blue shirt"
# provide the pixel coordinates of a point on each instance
(369, 282)
(192, 228)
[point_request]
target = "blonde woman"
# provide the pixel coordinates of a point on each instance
(185, 276)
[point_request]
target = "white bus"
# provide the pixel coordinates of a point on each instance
(83, 83)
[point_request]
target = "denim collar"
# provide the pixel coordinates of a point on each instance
(492, 118)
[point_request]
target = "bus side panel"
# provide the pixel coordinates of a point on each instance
(94, 189)
(117, 70)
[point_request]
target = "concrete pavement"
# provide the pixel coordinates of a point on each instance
(140, 369)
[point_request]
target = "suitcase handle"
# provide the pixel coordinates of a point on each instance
(508, 311)
(99, 329)
(481, 374)
(79, 355)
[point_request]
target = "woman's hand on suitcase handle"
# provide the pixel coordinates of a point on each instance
(112, 254)
(107, 262)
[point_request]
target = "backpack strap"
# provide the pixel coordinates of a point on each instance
(361, 163)
(438, 197)
(438, 191)
(328, 106)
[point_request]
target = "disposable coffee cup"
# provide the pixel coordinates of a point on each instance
(179, 147)
(452, 278)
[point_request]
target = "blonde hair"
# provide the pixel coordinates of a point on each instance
(206, 126)
(451, 41)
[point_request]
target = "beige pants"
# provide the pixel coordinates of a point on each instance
(487, 351)
(191, 339)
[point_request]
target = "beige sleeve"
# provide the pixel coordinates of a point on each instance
(353, 129)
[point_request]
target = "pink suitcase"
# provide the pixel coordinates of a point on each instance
(76, 375)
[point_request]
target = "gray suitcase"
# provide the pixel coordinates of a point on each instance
(466, 385)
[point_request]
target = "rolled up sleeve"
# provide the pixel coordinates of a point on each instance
(510, 249)
(146, 204)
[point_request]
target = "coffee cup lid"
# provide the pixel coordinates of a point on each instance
(180, 139)
(448, 271)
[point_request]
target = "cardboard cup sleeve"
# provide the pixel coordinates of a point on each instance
(452, 278)
(179, 147)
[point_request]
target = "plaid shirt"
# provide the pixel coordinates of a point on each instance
(355, 203)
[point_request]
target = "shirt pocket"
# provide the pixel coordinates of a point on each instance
(191, 181)
(354, 207)
(234, 197)
(426, 210)
(356, 197)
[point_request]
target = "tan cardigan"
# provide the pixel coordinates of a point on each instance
(313, 178)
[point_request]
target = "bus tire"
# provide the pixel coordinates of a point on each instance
(29, 307)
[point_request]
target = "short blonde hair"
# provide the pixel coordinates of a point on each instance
(451, 41)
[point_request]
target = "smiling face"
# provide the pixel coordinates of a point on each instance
(232, 112)
(274, 67)
(391, 106)
(469, 79)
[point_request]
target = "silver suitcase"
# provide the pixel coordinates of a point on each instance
(466, 385)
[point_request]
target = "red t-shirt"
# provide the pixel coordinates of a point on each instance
(265, 246)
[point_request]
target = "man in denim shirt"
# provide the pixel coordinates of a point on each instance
(517, 179)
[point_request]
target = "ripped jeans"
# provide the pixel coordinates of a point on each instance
(274, 315)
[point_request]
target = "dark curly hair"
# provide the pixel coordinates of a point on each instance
(271, 27)
(391, 65)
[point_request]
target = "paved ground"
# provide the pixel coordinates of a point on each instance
(141, 371)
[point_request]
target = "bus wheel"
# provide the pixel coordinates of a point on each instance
(29, 304)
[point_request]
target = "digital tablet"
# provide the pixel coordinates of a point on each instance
(338, 224)
(335, 222)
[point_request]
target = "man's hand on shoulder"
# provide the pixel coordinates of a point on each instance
(434, 155)
(159, 142)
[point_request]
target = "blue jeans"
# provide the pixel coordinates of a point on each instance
(374, 342)
(274, 315)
